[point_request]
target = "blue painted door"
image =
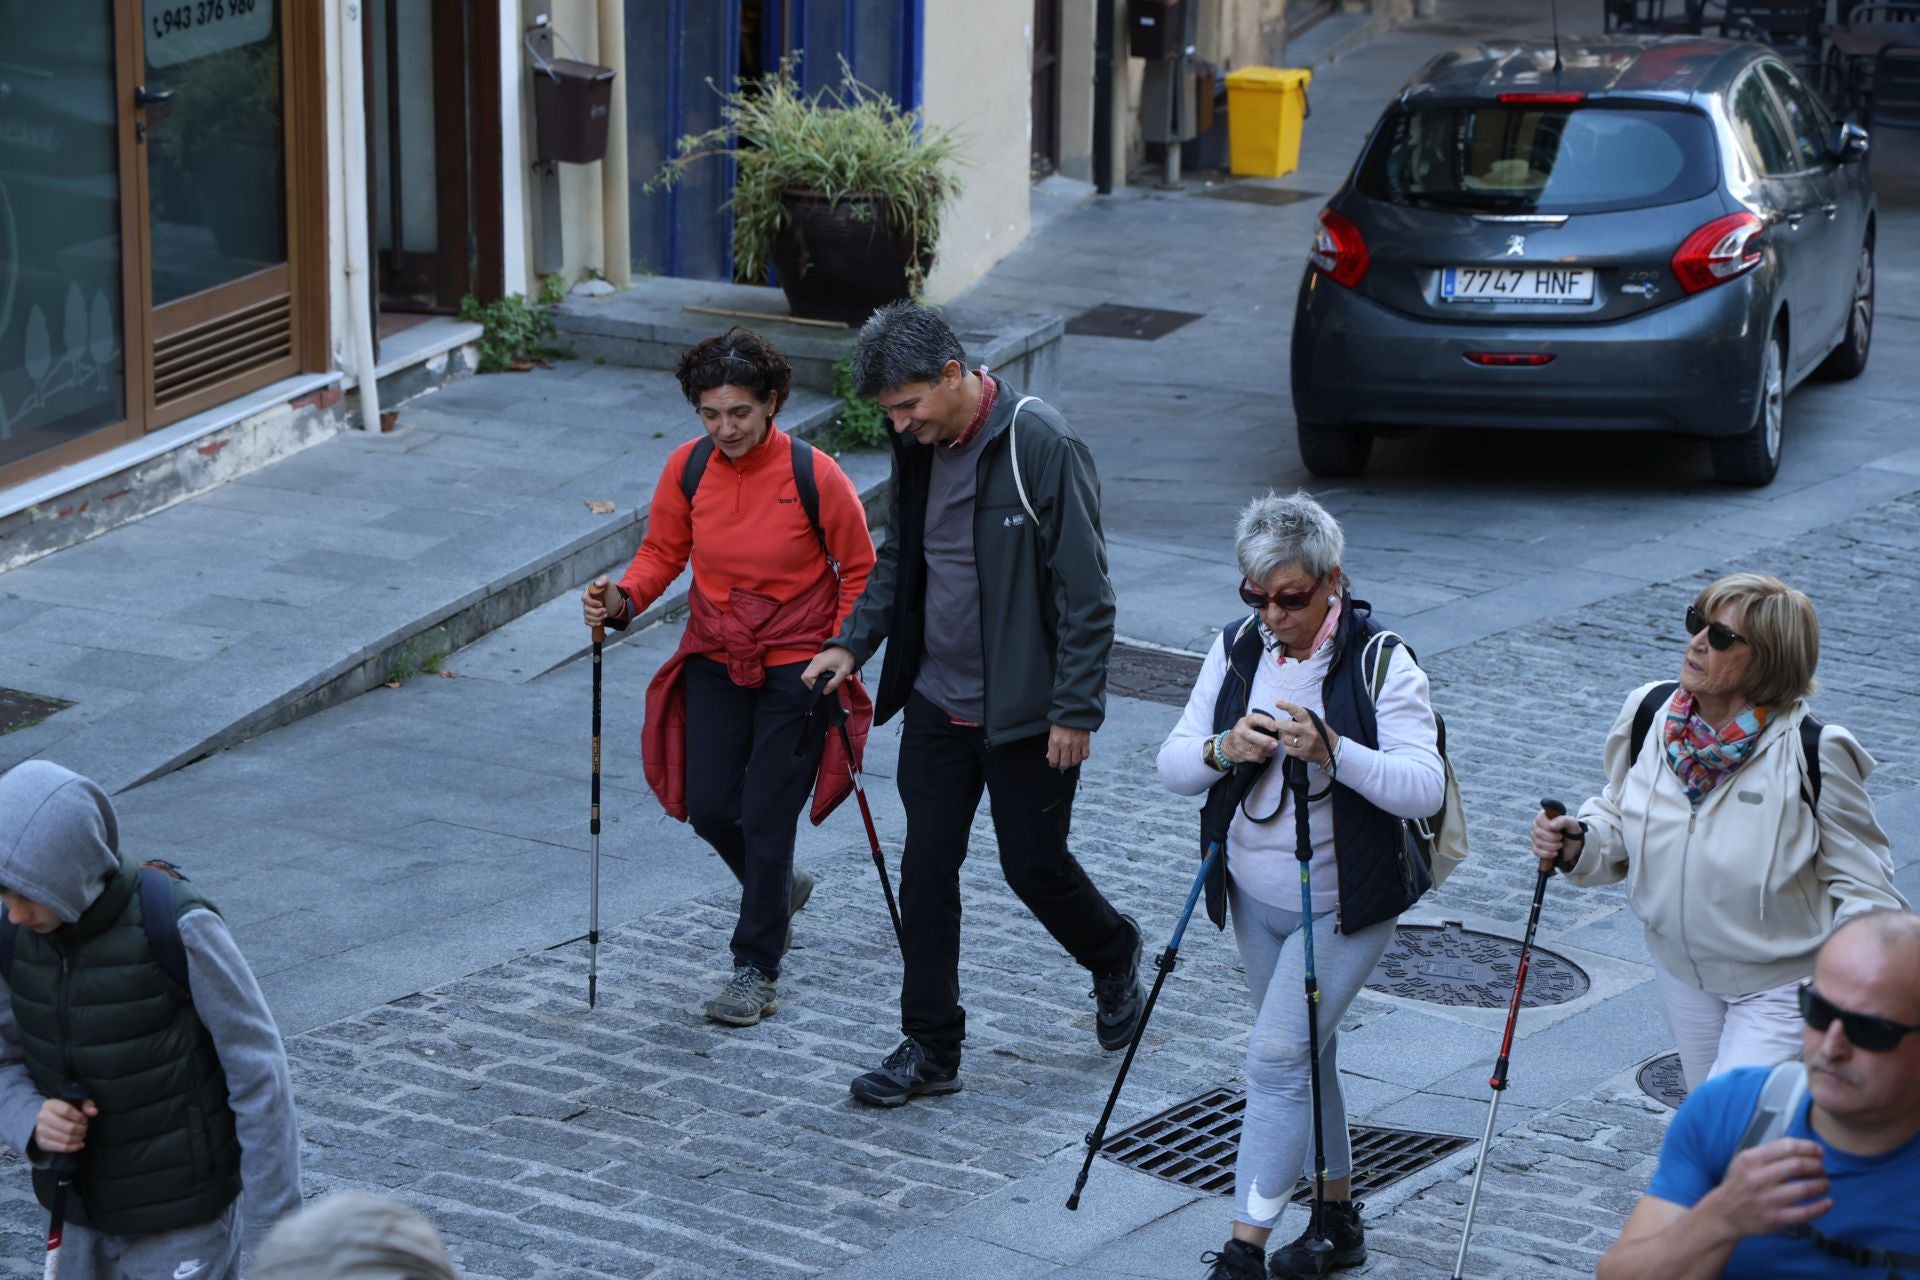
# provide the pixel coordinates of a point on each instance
(675, 47)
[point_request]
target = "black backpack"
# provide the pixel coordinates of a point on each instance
(803, 482)
(1810, 730)
(156, 917)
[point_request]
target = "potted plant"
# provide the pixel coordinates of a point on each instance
(840, 192)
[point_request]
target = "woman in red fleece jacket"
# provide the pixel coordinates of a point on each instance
(724, 714)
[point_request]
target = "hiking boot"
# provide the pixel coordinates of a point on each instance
(907, 1072)
(1238, 1261)
(1119, 997)
(1349, 1239)
(748, 997)
(802, 890)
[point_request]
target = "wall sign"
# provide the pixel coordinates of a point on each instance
(179, 31)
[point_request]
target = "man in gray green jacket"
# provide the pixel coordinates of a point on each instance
(172, 1099)
(992, 596)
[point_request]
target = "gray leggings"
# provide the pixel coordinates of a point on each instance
(1276, 1133)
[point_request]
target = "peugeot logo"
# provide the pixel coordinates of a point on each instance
(1516, 246)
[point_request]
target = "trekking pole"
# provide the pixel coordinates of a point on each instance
(1162, 967)
(1318, 1247)
(62, 1165)
(1554, 809)
(593, 826)
(836, 716)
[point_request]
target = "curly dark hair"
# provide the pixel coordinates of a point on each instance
(737, 358)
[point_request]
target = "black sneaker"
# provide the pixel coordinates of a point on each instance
(907, 1072)
(1119, 997)
(1238, 1261)
(1344, 1232)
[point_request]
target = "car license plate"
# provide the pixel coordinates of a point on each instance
(1517, 284)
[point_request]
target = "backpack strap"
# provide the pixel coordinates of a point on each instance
(1779, 1104)
(809, 491)
(158, 918)
(1810, 731)
(696, 467)
(1013, 454)
(1657, 697)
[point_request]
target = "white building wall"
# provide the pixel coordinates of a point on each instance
(978, 80)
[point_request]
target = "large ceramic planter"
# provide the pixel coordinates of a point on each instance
(839, 262)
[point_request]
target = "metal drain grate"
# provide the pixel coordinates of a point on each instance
(1663, 1081)
(1445, 964)
(1118, 320)
(1156, 676)
(1241, 193)
(21, 710)
(1193, 1144)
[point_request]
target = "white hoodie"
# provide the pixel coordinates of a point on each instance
(1738, 896)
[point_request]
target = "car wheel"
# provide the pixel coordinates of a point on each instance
(1335, 451)
(1752, 457)
(1849, 359)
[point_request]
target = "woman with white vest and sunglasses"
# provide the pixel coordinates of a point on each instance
(1742, 827)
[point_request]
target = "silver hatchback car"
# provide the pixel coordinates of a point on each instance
(1660, 234)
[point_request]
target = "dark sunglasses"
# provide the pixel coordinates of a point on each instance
(1719, 634)
(1292, 601)
(1864, 1031)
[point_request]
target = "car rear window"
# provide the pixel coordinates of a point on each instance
(1549, 158)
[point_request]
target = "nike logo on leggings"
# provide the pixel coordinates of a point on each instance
(1263, 1208)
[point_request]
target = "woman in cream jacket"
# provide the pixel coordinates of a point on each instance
(1736, 873)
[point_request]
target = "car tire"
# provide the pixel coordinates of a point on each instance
(1849, 359)
(1753, 457)
(1334, 452)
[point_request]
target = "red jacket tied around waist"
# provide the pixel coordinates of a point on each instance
(756, 626)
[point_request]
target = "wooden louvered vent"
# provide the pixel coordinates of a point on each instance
(196, 360)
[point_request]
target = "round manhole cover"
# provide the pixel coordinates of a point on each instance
(1446, 964)
(1663, 1081)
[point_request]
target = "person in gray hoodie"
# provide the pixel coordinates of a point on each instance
(173, 1100)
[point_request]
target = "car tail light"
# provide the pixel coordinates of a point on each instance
(1552, 96)
(1716, 253)
(1510, 359)
(1338, 250)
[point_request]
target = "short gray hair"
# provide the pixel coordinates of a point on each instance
(901, 343)
(1276, 531)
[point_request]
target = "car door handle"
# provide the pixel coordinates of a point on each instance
(1793, 220)
(1831, 210)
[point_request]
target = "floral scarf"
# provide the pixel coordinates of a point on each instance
(1702, 757)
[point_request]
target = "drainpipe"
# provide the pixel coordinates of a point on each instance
(353, 126)
(1103, 17)
(616, 252)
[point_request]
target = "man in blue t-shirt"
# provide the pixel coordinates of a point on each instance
(1837, 1195)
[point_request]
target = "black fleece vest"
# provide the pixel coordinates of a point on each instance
(1377, 879)
(95, 1008)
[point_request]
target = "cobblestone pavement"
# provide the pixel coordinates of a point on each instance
(638, 1140)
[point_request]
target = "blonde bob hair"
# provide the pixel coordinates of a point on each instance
(1781, 626)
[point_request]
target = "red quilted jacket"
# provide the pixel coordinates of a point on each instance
(756, 626)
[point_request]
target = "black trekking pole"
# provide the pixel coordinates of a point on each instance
(837, 717)
(1319, 1248)
(62, 1165)
(1162, 967)
(593, 826)
(1554, 809)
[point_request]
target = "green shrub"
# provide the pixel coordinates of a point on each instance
(516, 330)
(862, 423)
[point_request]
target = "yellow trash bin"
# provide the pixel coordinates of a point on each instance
(1266, 107)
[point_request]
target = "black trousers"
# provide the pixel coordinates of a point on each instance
(943, 769)
(745, 791)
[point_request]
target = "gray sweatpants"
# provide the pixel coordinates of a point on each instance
(208, 1251)
(1276, 1132)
